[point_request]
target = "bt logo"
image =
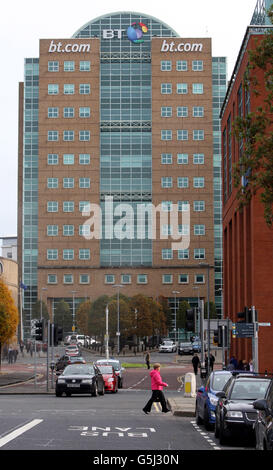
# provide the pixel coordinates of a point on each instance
(135, 32)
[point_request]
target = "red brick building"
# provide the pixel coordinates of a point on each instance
(247, 240)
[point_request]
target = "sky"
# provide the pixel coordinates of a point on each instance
(24, 22)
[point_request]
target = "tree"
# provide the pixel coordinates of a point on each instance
(96, 317)
(63, 316)
(140, 306)
(36, 312)
(212, 310)
(82, 315)
(166, 310)
(8, 315)
(255, 165)
(181, 314)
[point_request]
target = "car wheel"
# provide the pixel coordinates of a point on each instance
(206, 420)
(58, 394)
(197, 417)
(216, 429)
(102, 391)
(120, 383)
(95, 391)
(222, 436)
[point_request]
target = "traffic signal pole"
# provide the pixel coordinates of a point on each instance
(255, 342)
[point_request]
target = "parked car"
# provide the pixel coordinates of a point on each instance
(206, 399)
(67, 360)
(263, 426)
(235, 414)
(117, 367)
(185, 348)
(110, 378)
(167, 346)
(72, 350)
(80, 379)
(196, 346)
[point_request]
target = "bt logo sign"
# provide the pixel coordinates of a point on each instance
(134, 33)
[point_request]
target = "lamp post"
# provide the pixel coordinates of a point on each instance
(73, 314)
(118, 286)
(207, 266)
(175, 292)
(198, 312)
(41, 307)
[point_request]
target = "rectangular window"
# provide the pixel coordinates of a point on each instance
(84, 182)
(68, 183)
(109, 279)
(68, 206)
(197, 65)
(68, 159)
(166, 229)
(199, 182)
(68, 230)
(85, 65)
(142, 278)
(52, 89)
(68, 254)
(199, 229)
(52, 254)
(84, 89)
(183, 254)
(198, 134)
(167, 279)
(183, 229)
(69, 66)
(69, 89)
(166, 134)
(126, 279)
(52, 112)
(182, 158)
(166, 111)
(198, 158)
(199, 253)
(198, 206)
(166, 88)
(84, 136)
(84, 253)
(166, 158)
(84, 206)
(84, 158)
(183, 182)
(181, 65)
(52, 136)
(198, 111)
(182, 88)
(52, 159)
(197, 88)
(52, 230)
(68, 112)
(84, 112)
(52, 279)
(166, 182)
(166, 65)
(68, 279)
(84, 279)
(167, 253)
(182, 134)
(166, 206)
(183, 206)
(183, 278)
(182, 111)
(52, 206)
(52, 183)
(84, 230)
(199, 279)
(68, 136)
(53, 66)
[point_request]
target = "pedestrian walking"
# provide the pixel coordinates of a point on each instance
(211, 361)
(245, 365)
(196, 363)
(147, 359)
(10, 355)
(157, 394)
(251, 365)
(22, 347)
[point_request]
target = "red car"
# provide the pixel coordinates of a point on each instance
(110, 378)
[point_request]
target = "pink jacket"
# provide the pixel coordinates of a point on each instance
(157, 383)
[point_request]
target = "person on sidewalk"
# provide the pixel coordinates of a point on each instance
(147, 360)
(196, 363)
(211, 361)
(157, 393)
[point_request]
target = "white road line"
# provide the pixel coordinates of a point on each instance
(9, 437)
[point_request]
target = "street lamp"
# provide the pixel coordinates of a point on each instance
(118, 286)
(41, 308)
(175, 292)
(206, 265)
(73, 314)
(198, 312)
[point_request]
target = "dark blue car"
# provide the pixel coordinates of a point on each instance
(206, 399)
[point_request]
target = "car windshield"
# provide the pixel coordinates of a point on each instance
(219, 381)
(249, 389)
(106, 369)
(79, 370)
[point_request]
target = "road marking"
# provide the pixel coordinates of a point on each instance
(206, 436)
(9, 437)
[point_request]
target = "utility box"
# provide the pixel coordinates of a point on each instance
(190, 385)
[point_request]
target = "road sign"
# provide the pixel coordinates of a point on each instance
(264, 324)
(242, 330)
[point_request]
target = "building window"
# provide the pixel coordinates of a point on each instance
(167, 279)
(84, 206)
(52, 159)
(199, 182)
(197, 65)
(68, 206)
(69, 66)
(199, 279)
(166, 65)
(197, 88)
(166, 134)
(166, 88)
(109, 279)
(166, 229)
(198, 134)
(183, 254)
(183, 182)
(166, 182)
(198, 158)
(84, 183)
(182, 134)
(182, 158)
(84, 89)
(52, 206)
(68, 254)
(84, 279)
(199, 206)
(84, 136)
(166, 158)
(84, 253)
(167, 253)
(142, 278)
(52, 254)
(84, 158)
(85, 66)
(199, 253)
(183, 206)
(84, 112)
(68, 159)
(52, 279)
(68, 136)
(53, 66)
(183, 278)
(69, 89)
(52, 89)
(52, 136)
(166, 111)
(68, 112)
(182, 88)
(68, 230)
(181, 65)
(68, 183)
(84, 230)
(183, 229)
(199, 229)
(52, 183)
(68, 279)
(198, 111)
(52, 230)
(126, 279)
(182, 111)
(166, 206)
(52, 112)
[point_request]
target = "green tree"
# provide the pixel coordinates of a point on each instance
(212, 310)
(63, 316)
(181, 314)
(8, 315)
(36, 313)
(166, 310)
(97, 317)
(82, 315)
(140, 306)
(255, 132)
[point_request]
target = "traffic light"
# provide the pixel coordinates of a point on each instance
(58, 335)
(218, 336)
(190, 320)
(39, 330)
(245, 316)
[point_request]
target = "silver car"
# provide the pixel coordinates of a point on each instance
(167, 346)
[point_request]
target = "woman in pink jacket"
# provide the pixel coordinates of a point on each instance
(157, 393)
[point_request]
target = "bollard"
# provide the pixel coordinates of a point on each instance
(190, 385)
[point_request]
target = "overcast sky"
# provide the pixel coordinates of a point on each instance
(24, 22)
